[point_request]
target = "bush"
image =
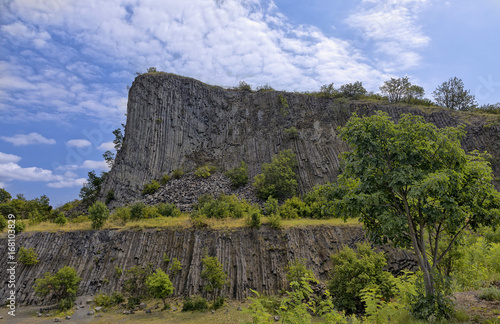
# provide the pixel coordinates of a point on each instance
(243, 86)
(151, 188)
(270, 206)
(3, 223)
(253, 219)
(213, 275)
(122, 213)
(275, 221)
(117, 298)
(27, 256)
(355, 271)
(164, 179)
(278, 178)
(238, 176)
(64, 285)
(294, 208)
(220, 207)
(80, 219)
(219, 302)
(196, 304)
(177, 173)
(204, 171)
(175, 267)
(160, 286)
(151, 212)
(19, 226)
(98, 214)
(490, 294)
(135, 283)
(291, 133)
(137, 211)
(103, 300)
(60, 219)
(110, 196)
(166, 209)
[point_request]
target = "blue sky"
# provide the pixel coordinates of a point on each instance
(65, 65)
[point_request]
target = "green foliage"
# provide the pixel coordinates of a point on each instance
(283, 104)
(164, 179)
(253, 218)
(98, 214)
(238, 175)
(292, 132)
(294, 208)
(151, 212)
(63, 284)
(122, 213)
(135, 282)
(137, 211)
(204, 171)
(452, 95)
(177, 173)
(265, 88)
(243, 86)
(118, 271)
(221, 207)
(413, 183)
(355, 271)
(353, 90)
(296, 271)
(3, 223)
(175, 267)
(79, 219)
(109, 157)
(328, 91)
(195, 304)
(151, 188)
(166, 258)
(27, 256)
(159, 285)
(278, 178)
(271, 206)
(60, 219)
(19, 226)
(213, 275)
(117, 298)
(4, 196)
(110, 196)
(490, 294)
(92, 188)
(152, 70)
(275, 221)
(103, 300)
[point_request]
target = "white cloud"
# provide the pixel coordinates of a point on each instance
(79, 143)
(106, 146)
(87, 164)
(9, 158)
(67, 183)
(28, 139)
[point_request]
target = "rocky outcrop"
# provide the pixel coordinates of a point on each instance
(253, 259)
(176, 122)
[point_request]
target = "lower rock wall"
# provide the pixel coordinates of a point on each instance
(254, 259)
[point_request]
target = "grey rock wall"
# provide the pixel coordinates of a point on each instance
(253, 259)
(177, 122)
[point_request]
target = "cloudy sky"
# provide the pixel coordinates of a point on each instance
(65, 65)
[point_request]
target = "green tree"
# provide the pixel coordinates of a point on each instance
(415, 187)
(175, 267)
(353, 90)
(327, 91)
(63, 284)
(452, 95)
(413, 93)
(109, 157)
(278, 178)
(98, 214)
(396, 89)
(27, 256)
(160, 286)
(238, 175)
(4, 196)
(91, 189)
(214, 276)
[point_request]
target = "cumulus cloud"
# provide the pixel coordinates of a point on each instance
(106, 146)
(28, 139)
(79, 143)
(9, 158)
(87, 164)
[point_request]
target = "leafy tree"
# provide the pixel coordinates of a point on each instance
(452, 95)
(3, 223)
(353, 90)
(396, 89)
(135, 283)
(238, 175)
(4, 196)
(214, 276)
(109, 157)
(64, 285)
(118, 141)
(297, 272)
(414, 93)
(327, 91)
(98, 214)
(175, 267)
(278, 178)
(91, 189)
(243, 86)
(415, 186)
(160, 286)
(27, 256)
(152, 69)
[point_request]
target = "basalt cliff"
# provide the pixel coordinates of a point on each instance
(175, 122)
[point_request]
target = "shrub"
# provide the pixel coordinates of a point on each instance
(271, 206)
(221, 207)
(137, 211)
(110, 196)
(204, 171)
(19, 226)
(239, 175)
(291, 133)
(275, 221)
(122, 213)
(60, 219)
(278, 178)
(354, 271)
(151, 188)
(117, 298)
(243, 86)
(164, 179)
(175, 267)
(166, 209)
(27, 256)
(135, 283)
(296, 271)
(253, 219)
(103, 300)
(160, 286)
(79, 219)
(214, 276)
(64, 285)
(218, 302)
(490, 294)
(177, 173)
(3, 223)
(196, 304)
(98, 214)
(294, 208)
(166, 259)
(151, 212)
(283, 103)
(118, 271)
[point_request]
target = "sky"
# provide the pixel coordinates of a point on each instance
(66, 65)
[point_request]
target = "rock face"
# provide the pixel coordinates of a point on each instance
(176, 122)
(253, 259)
